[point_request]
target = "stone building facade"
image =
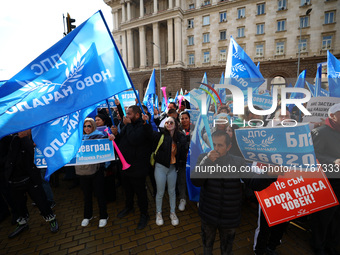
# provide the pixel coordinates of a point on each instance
(186, 38)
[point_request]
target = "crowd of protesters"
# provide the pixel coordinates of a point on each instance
(167, 136)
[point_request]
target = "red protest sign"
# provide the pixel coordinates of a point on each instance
(294, 195)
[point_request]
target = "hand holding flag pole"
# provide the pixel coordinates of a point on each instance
(120, 155)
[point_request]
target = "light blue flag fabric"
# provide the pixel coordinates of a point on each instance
(150, 93)
(240, 70)
(258, 65)
(222, 92)
(176, 97)
(197, 147)
(300, 83)
(311, 87)
(163, 108)
(317, 91)
(2, 83)
(60, 139)
(156, 102)
(333, 75)
(82, 69)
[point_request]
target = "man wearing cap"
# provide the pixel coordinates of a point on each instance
(326, 223)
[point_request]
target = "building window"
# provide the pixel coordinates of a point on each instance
(303, 45)
(190, 23)
(260, 29)
(281, 25)
(329, 17)
(223, 55)
(241, 13)
(206, 2)
(259, 50)
(206, 20)
(327, 42)
(206, 57)
(280, 48)
(305, 2)
(281, 5)
(304, 21)
(223, 35)
(191, 59)
(191, 40)
(191, 6)
(206, 37)
(261, 9)
(240, 32)
(223, 16)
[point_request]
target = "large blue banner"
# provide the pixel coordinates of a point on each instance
(333, 75)
(286, 146)
(82, 69)
(128, 98)
(90, 152)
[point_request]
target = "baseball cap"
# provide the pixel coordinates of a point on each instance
(334, 109)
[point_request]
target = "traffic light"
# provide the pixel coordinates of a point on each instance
(69, 22)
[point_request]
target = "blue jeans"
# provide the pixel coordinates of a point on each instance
(165, 175)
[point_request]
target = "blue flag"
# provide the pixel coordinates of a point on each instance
(60, 139)
(333, 75)
(163, 108)
(317, 92)
(150, 93)
(240, 70)
(311, 88)
(300, 83)
(222, 92)
(197, 147)
(82, 69)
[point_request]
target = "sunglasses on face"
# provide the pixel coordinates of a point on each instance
(169, 122)
(87, 126)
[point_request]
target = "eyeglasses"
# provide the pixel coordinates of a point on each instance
(169, 122)
(87, 126)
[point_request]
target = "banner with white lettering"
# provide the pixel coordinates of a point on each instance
(287, 145)
(128, 99)
(296, 194)
(318, 107)
(90, 152)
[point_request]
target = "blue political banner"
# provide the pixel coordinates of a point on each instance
(286, 146)
(222, 91)
(82, 69)
(128, 98)
(90, 152)
(317, 90)
(333, 75)
(2, 83)
(322, 92)
(59, 140)
(311, 88)
(240, 70)
(263, 101)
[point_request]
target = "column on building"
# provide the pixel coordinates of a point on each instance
(177, 3)
(141, 8)
(142, 47)
(178, 40)
(155, 6)
(128, 10)
(124, 48)
(214, 1)
(130, 51)
(155, 30)
(198, 3)
(115, 19)
(170, 42)
(171, 5)
(123, 11)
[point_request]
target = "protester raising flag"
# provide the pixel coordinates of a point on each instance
(82, 69)
(60, 139)
(149, 98)
(333, 75)
(240, 70)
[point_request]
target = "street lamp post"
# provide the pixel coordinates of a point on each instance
(299, 47)
(160, 68)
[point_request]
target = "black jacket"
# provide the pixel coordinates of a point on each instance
(163, 155)
(221, 199)
(135, 145)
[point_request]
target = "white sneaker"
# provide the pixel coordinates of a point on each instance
(182, 204)
(174, 219)
(86, 222)
(159, 219)
(103, 222)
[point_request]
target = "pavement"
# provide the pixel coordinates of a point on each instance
(120, 235)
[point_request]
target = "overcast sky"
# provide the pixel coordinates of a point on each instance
(29, 27)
